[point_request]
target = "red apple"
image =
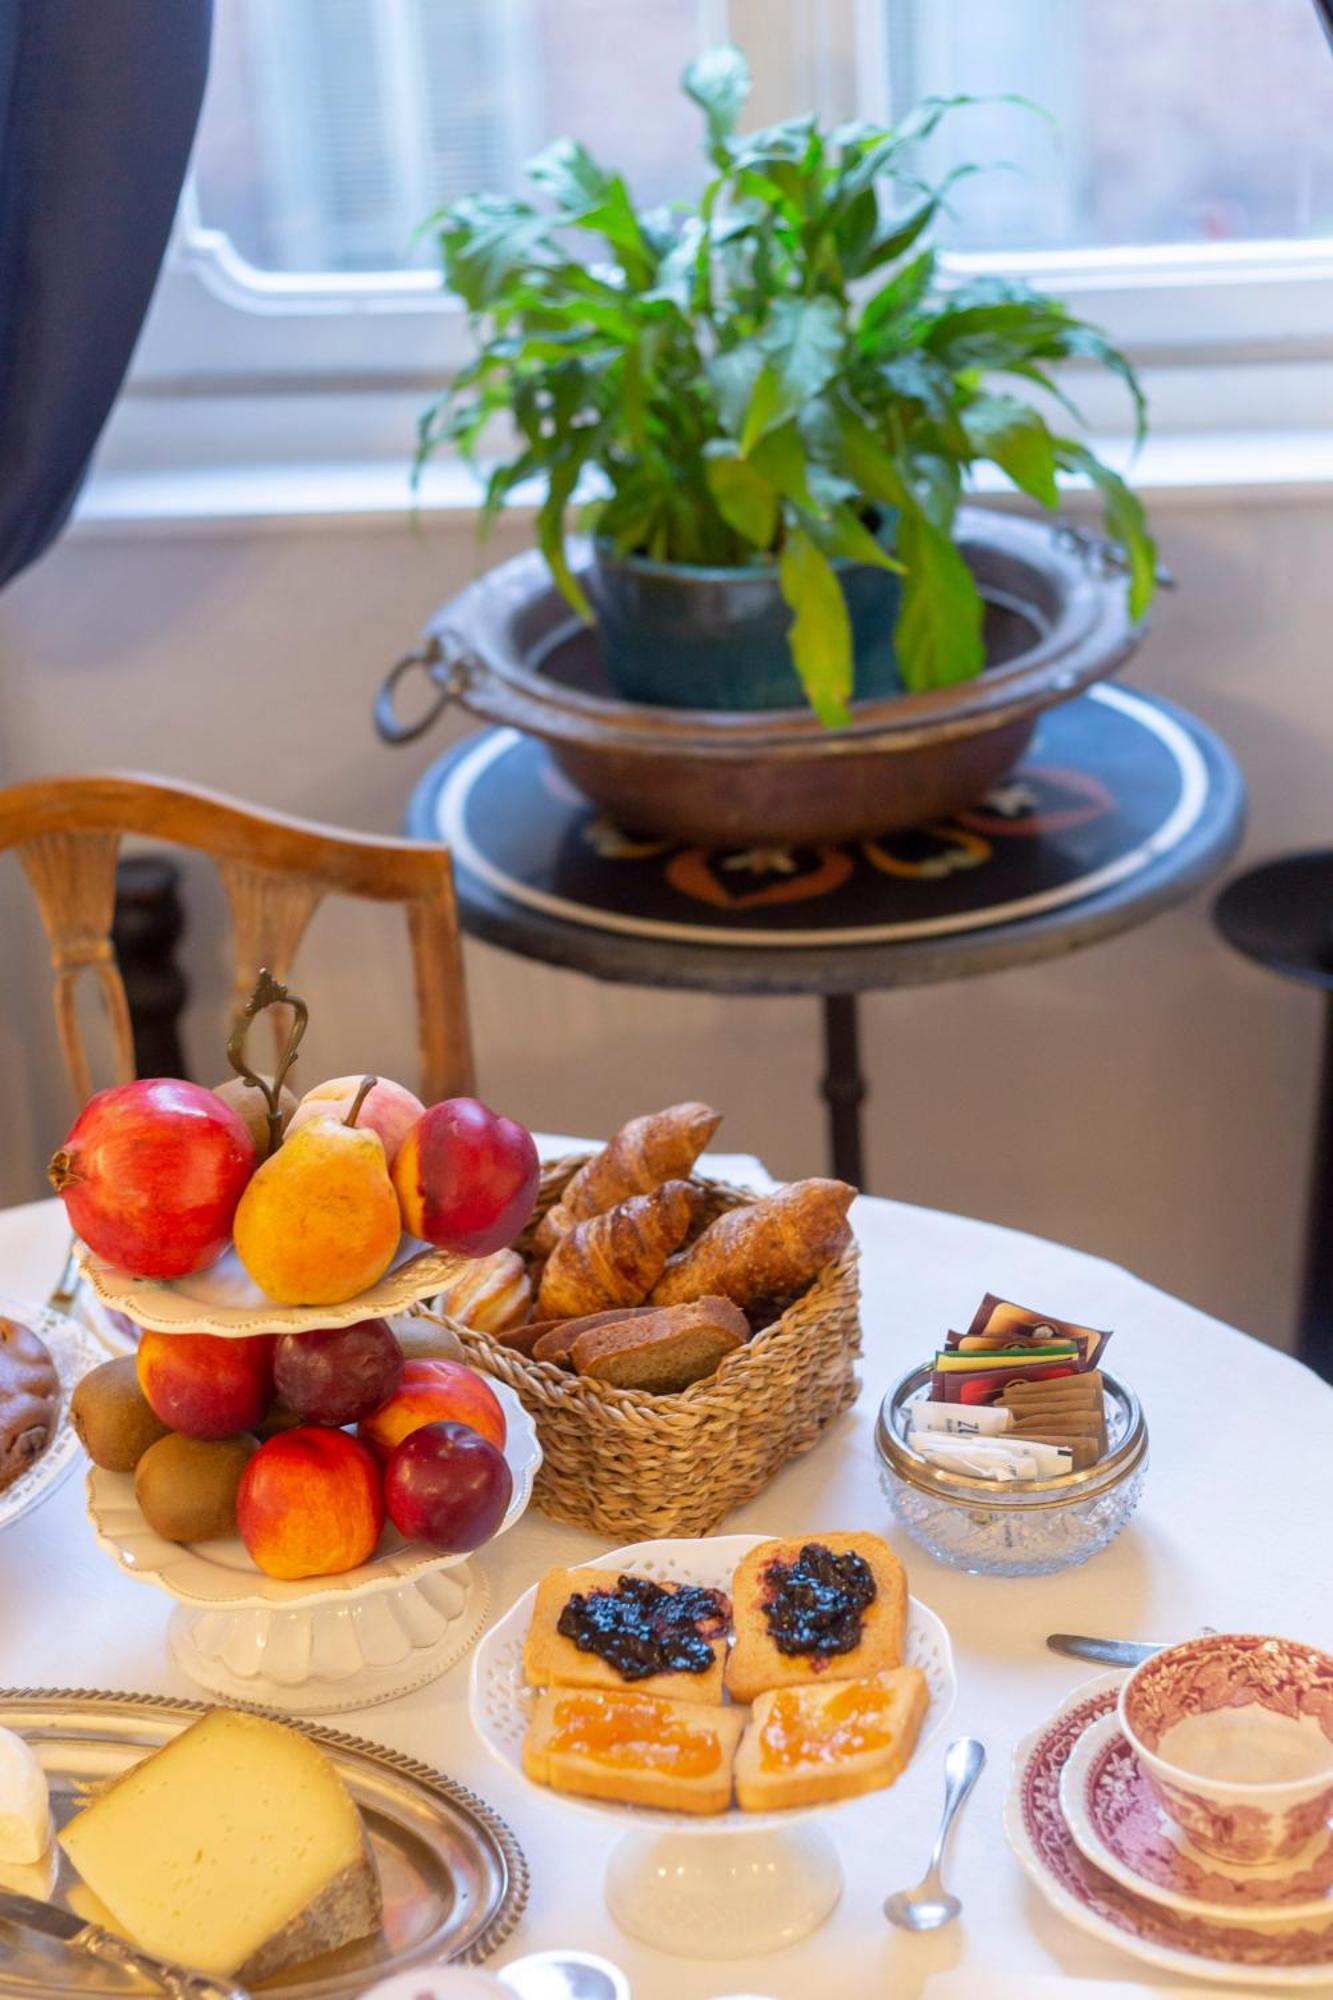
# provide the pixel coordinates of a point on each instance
(204, 1385)
(340, 1374)
(447, 1486)
(466, 1178)
(389, 1109)
(151, 1173)
(310, 1503)
(430, 1390)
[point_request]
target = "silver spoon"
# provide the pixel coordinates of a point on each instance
(929, 1905)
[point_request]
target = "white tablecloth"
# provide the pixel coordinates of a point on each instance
(1233, 1531)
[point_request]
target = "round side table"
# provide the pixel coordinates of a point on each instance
(1281, 915)
(1122, 806)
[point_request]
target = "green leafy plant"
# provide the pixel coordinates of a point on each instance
(772, 374)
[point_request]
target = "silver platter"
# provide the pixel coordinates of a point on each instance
(454, 1878)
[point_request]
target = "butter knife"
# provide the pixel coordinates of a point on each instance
(94, 1942)
(1103, 1652)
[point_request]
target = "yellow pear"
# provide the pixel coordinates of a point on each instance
(319, 1220)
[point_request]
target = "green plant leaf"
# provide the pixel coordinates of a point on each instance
(589, 198)
(939, 622)
(821, 632)
(1125, 519)
(845, 534)
(719, 83)
(802, 345)
(745, 500)
(563, 478)
(781, 457)
(896, 297)
(1010, 433)
(485, 239)
(867, 462)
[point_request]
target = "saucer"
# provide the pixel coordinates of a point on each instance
(1236, 1953)
(1113, 1814)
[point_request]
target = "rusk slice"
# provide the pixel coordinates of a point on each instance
(808, 1745)
(634, 1748)
(552, 1660)
(759, 1662)
(666, 1349)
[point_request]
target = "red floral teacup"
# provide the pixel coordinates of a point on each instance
(1235, 1735)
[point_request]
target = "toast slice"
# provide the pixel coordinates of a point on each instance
(665, 1350)
(816, 1608)
(629, 1619)
(637, 1749)
(553, 1339)
(807, 1745)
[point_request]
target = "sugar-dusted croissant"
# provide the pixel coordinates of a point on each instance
(662, 1146)
(615, 1259)
(767, 1250)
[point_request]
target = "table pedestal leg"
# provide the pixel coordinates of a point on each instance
(844, 1088)
(1316, 1317)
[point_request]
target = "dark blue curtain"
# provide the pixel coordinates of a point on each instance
(98, 105)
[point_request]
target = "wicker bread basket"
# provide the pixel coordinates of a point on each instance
(638, 1466)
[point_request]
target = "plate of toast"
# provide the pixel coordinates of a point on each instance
(716, 1684)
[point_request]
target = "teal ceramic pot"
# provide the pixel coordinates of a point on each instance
(678, 636)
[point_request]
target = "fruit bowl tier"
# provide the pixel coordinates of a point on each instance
(727, 1886)
(324, 1643)
(226, 1301)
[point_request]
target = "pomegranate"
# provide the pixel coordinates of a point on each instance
(151, 1173)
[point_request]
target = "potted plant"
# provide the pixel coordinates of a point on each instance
(774, 403)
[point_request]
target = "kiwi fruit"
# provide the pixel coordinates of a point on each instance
(112, 1416)
(186, 1487)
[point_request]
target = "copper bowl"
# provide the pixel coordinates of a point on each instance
(510, 650)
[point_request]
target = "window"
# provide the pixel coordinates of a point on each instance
(1180, 193)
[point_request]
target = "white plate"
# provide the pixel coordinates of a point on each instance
(501, 1702)
(1263, 1895)
(222, 1576)
(1289, 1955)
(73, 1350)
(225, 1300)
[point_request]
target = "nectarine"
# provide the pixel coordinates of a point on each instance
(310, 1503)
(431, 1392)
(466, 1179)
(204, 1385)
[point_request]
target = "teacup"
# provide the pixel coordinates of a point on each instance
(1235, 1735)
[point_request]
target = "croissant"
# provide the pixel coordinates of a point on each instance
(662, 1146)
(769, 1249)
(615, 1259)
(551, 1228)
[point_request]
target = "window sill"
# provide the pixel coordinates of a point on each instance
(361, 496)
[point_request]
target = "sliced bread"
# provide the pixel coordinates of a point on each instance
(806, 1745)
(816, 1608)
(553, 1659)
(635, 1748)
(663, 1351)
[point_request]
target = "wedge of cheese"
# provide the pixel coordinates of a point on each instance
(237, 1850)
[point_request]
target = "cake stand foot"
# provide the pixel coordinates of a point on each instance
(330, 1657)
(723, 1895)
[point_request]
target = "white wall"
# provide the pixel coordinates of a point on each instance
(1149, 1098)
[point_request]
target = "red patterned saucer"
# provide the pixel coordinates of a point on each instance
(1296, 1955)
(1113, 1814)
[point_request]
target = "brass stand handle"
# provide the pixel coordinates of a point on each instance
(447, 667)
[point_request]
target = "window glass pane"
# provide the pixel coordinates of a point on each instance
(332, 127)
(1176, 121)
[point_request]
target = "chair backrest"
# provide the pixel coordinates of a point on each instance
(274, 869)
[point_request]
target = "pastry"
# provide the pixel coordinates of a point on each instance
(662, 1146)
(832, 1740)
(236, 1849)
(29, 1399)
(769, 1249)
(553, 1339)
(816, 1608)
(635, 1748)
(599, 1628)
(615, 1259)
(490, 1294)
(665, 1350)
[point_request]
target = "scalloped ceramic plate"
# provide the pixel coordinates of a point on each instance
(501, 1702)
(221, 1575)
(225, 1300)
(74, 1350)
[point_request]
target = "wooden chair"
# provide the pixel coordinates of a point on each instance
(275, 871)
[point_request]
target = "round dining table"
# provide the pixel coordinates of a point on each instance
(1233, 1532)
